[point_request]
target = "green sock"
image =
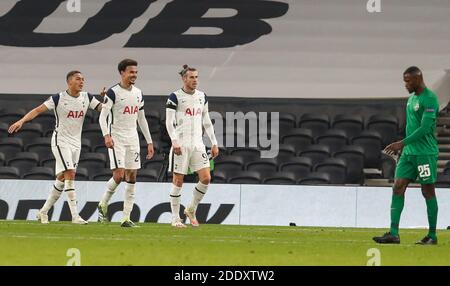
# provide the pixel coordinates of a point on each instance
(432, 211)
(396, 210)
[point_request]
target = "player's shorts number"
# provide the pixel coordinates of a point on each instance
(424, 170)
(137, 157)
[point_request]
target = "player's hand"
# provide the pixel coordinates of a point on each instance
(103, 92)
(150, 151)
(109, 143)
(394, 148)
(214, 151)
(176, 148)
(15, 127)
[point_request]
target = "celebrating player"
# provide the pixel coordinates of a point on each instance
(123, 107)
(186, 114)
(70, 109)
(419, 156)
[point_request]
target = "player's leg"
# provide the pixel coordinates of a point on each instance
(198, 193)
(130, 191)
(178, 165)
(427, 168)
(132, 164)
(199, 163)
(116, 161)
(404, 174)
(175, 199)
(71, 157)
(53, 197)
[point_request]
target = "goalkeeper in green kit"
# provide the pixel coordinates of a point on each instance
(418, 161)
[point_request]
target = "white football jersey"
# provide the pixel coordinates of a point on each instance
(189, 116)
(123, 106)
(70, 112)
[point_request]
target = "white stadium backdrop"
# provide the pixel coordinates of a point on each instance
(301, 48)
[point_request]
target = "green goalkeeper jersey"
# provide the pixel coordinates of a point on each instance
(421, 114)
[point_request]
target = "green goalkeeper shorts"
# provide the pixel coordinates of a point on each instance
(418, 168)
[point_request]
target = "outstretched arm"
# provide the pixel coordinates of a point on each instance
(27, 117)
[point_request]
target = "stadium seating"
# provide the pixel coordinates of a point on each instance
(352, 124)
(3, 130)
(316, 152)
(318, 123)
(371, 142)
(147, 175)
(335, 139)
(9, 173)
(92, 161)
(10, 146)
(354, 158)
(29, 131)
(82, 174)
(39, 173)
(315, 178)
(300, 166)
(335, 167)
(263, 166)
(24, 161)
(386, 125)
(245, 177)
(2, 159)
(300, 138)
(11, 116)
(40, 146)
(280, 178)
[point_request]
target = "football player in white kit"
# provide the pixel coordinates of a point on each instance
(70, 108)
(186, 116)
(122, 109)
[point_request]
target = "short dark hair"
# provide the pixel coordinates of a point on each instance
(185, 69)
(413, 70)
(122, 66)
(71, 73)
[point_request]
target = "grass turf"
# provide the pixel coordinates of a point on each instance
(31, 243)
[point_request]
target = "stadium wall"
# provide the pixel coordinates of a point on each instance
(327, 206)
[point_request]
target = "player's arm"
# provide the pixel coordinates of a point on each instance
(209, 129)
(27, 117)
(143, 124)
(171, 111)
(426, 124)
(94, 104)
(106, 109)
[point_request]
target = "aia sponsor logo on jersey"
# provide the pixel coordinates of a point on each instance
(75, 114)
(130, 110)
(193, 111)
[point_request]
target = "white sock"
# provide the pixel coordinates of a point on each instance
(111, 186)
(69, 189)
(197, 195)
(175, 198)
(128, 203)
(55, 193)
